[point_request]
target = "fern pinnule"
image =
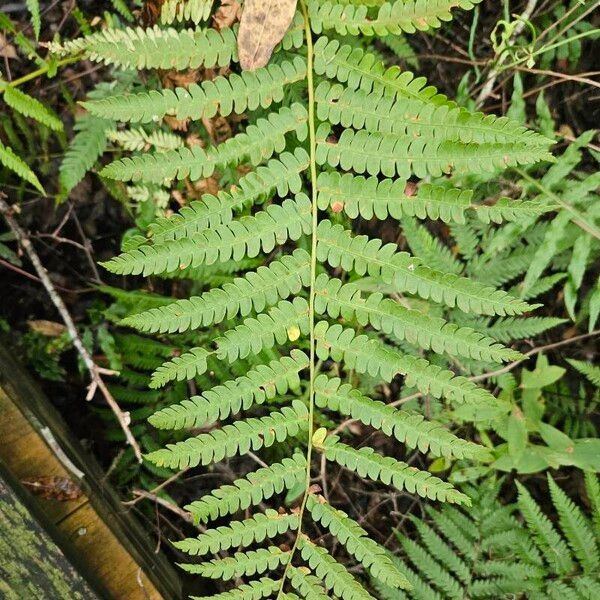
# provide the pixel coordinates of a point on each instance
(393, 16)
(30, 107)
(389, 317)
(185, 10)
(17, 165)
(590, 371)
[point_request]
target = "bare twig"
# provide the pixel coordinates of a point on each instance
(186, 516)
(158, 488)
(96, 372)
(488, 86)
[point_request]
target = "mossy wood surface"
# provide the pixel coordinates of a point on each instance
(115, 553)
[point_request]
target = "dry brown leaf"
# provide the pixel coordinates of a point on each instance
(6, 50)
(47, 328)
(263, 25)
(53, 487)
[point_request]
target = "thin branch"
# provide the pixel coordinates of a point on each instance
(96, 372)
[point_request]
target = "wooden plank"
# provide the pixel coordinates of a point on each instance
(32, 566)
(35, 444)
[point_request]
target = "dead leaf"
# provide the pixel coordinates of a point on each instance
(150, 13)
(53, 487)
(47, 328)
(263, 25)
(6, 50)
(227, 14)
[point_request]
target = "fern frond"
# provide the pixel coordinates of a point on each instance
(359, 69)
(30, 107)
(592, 487)
(223, 95)
(408, 428)
(334, 576)
(247, 236)
(390, 154)
(393, 17)
(339, 247)
(368, 463)
(255, 387)
(195, 11)
(250, 490)
(240, 533)
(576, 528)
(255, 590)
(369, 197)
(370, 356)
(258, 143)
(85, 148)
(590, 371)
(14, 163)
(356, 540)
(253, 562)
(255, 291)
(187, 366)
(389, 317)
(422, 119)
(238, 438)
(547, 539)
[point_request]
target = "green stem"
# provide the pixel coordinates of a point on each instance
(578, 217)
(313, 276)
(42, 71)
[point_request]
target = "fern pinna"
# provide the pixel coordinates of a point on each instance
(336, 135)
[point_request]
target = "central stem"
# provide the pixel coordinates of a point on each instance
(313, 276)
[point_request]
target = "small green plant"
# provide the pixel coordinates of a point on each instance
(498, 551)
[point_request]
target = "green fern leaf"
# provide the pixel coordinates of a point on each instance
(246, 237)
(367, 355)
(367, 463)
(256, 144)
(255, 590)
(253, 562)
(238, 438)
(222, 95)
(15, 164)
(240, 533)
(356, 540)
(36, 19)
(339, 247)
(334, 576)
(576, 528)
(308, 586)
(185, 10)
(393, 17)
(409, 428)
(255, 291)
(30, 107)
(255, 387)
(250, 490)
(590, 371)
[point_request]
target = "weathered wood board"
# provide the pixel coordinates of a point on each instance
(113, 551)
